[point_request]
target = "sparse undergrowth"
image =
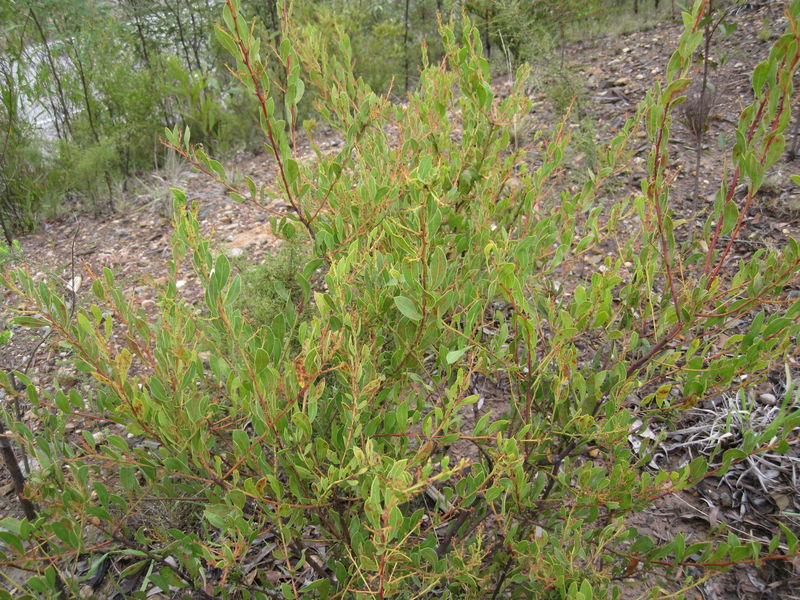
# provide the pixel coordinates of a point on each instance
(347, 442)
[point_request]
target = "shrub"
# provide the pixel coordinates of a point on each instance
(20, 157)
(267, 287)
(363, 442)
(93, 85)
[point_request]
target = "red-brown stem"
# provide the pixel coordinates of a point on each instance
(655, 349)
(270, 134)
(654, 196)
(336, 178)
(750, 195)
(381, 575)
(423, 261)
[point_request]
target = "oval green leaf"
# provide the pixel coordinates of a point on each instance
(408, 308)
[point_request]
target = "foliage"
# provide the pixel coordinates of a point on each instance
(363, 440)
(10, 253)
(387, 41)
(19, 156)
(94, 85)
(267, 287)
(98, 80)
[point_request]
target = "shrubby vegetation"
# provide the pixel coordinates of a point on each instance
(356, 429)
(87, 86)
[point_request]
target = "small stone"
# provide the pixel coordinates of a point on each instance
(66, 379)
(768, 399)
(235, 252)
(180, 283)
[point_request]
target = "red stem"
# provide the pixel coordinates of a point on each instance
(270, 134)
(749, 200)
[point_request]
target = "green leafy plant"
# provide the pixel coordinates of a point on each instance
(20, 156)
(453, 418)
(267, 287)
(86, 89)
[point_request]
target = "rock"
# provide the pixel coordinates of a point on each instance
(255, 236)
(66, 379)
(612, 83)
(768, 399)
(235, 252)
(180, 283)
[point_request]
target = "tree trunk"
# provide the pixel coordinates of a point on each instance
(86, 95)
(181, 37)
(140, 33)
(6, 230)
(405, 44)
(487, 40)
(56, 78)
(195, 42)
(17, 478)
